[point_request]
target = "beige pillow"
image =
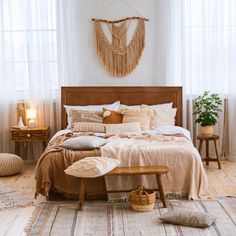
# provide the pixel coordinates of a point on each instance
(83, 143)
(143, 116)
(83, 116)
(89, 127)
(92, 167)
(133, 127)
(162, 116)
(188, 218)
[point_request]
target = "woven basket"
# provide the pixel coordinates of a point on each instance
(142, 199)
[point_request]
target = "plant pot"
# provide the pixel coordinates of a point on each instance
(207, 130)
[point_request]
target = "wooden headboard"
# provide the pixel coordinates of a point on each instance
(126, 95)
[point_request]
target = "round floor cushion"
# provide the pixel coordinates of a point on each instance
(10, 164)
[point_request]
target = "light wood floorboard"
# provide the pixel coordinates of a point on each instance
(221, 183)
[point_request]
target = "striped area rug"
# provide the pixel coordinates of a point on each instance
(62, 218)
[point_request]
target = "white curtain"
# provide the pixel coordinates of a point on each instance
(37, 56)
(29, 63)
(201, 56)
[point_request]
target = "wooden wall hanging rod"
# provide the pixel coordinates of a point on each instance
(117, 21)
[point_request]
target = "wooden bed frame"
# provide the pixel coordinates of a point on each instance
(126, 95)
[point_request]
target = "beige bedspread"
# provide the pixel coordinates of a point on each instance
(186, 176)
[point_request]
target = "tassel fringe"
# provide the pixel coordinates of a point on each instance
(118, 58)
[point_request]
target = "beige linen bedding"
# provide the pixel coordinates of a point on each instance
(186, 176)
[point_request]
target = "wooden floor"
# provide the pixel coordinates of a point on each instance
(221, 183)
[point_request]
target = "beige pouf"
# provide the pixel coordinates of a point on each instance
(10, 164)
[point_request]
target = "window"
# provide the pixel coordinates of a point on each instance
(28, 48)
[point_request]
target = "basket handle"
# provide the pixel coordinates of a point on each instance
(141, 193)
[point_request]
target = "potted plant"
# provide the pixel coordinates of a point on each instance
(206, 109)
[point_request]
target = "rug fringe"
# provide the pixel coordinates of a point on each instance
(28, 227)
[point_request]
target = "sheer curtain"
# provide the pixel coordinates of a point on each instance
(29, 63)
(202, 39)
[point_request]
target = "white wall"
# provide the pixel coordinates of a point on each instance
(86, 68)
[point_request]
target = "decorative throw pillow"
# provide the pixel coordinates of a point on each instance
(163, 117)
(143, 116)
(92, 167)
(133, 127)
(188, 218)
(114, 106)
(83, 143)
(112, 117)
(89, 127)
(83, 116)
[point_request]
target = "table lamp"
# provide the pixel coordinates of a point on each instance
(31, 115)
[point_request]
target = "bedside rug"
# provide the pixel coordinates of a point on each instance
(117, 219)
(9, 199)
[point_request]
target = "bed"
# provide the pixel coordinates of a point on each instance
(50, 176)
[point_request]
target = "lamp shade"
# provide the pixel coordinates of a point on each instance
(31, 113)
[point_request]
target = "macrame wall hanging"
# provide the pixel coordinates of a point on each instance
(118, 57)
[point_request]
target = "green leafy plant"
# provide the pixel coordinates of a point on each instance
(207, 108)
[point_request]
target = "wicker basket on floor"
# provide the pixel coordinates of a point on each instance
(142, 199)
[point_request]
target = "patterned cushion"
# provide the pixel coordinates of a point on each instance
(83, 116)
(188, 218)
(112, 117)
(89, 127)
(10, 164)
(143, 116)
(91, 167)
(162, 116)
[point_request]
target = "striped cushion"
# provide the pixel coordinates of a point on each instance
(143, 116)
(133, 127)
(89, 127)
(10, 164)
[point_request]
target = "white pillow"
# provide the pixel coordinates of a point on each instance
(122, 106)
(114, 106)
(83, 143)
(92, 167)
(124, 128)
(161, 106)
(163, 117)
(136, 107)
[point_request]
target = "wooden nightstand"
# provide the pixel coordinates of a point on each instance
(40, 133)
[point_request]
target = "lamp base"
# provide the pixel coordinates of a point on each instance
(31, 124)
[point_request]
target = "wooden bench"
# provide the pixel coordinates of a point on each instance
(135, 170)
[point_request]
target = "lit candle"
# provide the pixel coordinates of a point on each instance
(31, 115)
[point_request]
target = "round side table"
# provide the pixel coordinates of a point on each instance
(213, 138)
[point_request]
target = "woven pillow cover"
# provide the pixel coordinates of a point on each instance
(143, 116)
(91, 167)
(188, 218)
